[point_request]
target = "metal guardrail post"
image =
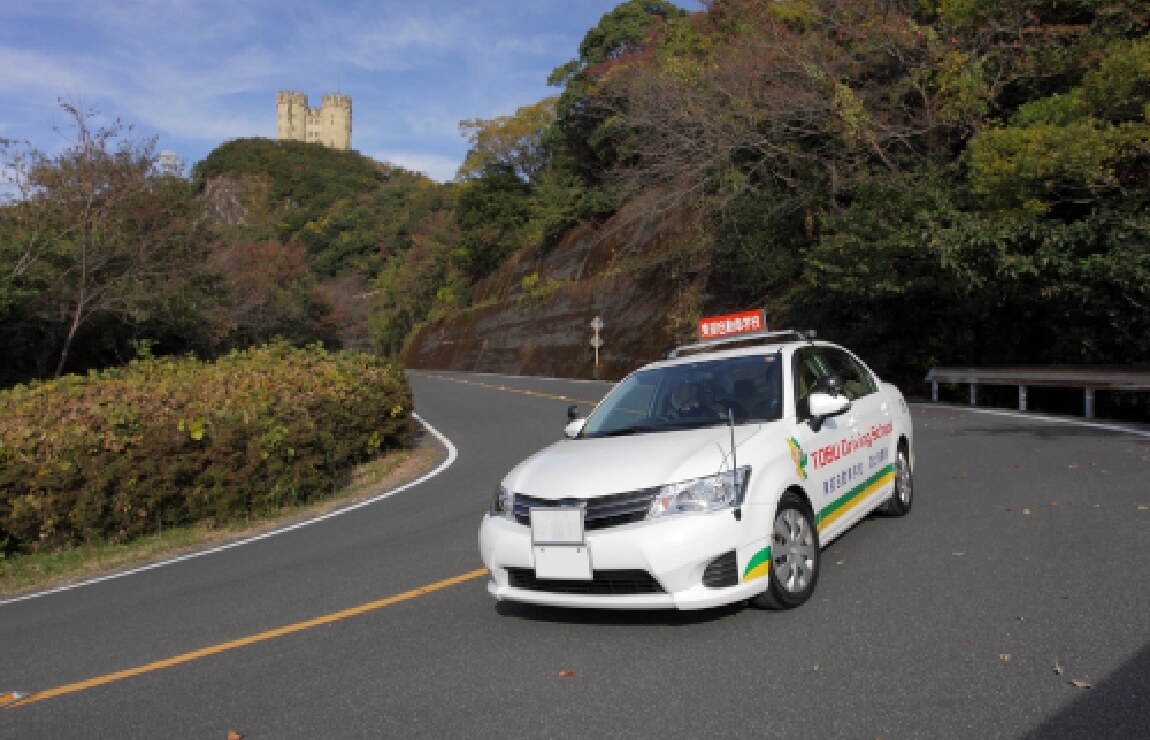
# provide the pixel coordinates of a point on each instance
(1089, 379)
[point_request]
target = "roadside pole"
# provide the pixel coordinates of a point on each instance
(596, 342)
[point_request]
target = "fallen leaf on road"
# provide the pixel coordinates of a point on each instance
(1080, 684)
(1073, 466)
(1004, 657)
(1026, 512)
(1057, 668)
(233, 735)
(566, 674)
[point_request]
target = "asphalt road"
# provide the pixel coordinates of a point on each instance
(1023, 568)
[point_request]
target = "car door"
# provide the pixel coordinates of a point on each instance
(842, 485)
(866, 473)
(816, 448)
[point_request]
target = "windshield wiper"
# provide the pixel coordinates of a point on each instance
(637, 429)
(667, 426)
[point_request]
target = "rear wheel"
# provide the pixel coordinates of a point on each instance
(794, 568)
(903, 496)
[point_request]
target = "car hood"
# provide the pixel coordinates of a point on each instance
(588, 468)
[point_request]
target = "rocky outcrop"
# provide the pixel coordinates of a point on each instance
(643, 277)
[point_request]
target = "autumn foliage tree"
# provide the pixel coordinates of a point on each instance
(514, 142)
(272, 295)
(96, 233)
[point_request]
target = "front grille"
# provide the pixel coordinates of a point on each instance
(602, 583)
(602, 512)
(722, 571)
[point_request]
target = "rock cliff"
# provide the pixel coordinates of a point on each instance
(644, 274)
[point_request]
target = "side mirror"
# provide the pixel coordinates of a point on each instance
(832, 385)
(574, 427)
(823, 406)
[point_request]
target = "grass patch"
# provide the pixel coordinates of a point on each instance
(43, 570)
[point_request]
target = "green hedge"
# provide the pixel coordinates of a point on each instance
(161, 442)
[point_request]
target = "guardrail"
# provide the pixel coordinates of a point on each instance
(1089, 380)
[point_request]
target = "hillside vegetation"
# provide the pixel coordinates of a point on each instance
(960, 181)
(963, 181)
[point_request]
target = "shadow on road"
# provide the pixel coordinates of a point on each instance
(1115, 709)
(1049, 431)
(638, 618)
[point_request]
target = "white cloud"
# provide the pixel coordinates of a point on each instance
(33, 75)
(200, 72)
(435, 166)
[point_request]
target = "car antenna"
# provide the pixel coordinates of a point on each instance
(734, 459)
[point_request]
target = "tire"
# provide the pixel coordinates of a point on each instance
(903, 496)
(795, 554)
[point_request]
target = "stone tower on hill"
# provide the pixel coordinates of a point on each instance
(330, 124)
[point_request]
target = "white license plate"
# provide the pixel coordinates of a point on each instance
(563, 561)
(558, 544)
(557, 526)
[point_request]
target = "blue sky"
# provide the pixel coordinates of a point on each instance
(197, 73)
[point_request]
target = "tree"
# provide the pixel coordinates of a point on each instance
(515, 142)
(494, 216)
(584, 136)
(273, 294)
(417, 284)
(95, 231)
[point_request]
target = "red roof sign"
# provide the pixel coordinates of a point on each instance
(744, 322)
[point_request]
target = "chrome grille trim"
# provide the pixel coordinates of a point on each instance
(600, 513)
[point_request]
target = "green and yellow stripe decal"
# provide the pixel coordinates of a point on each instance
(760, 563)
(831, 513)
(759, 566)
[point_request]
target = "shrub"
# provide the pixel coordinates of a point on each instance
(172, 441)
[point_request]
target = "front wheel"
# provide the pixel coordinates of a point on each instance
(794, 568)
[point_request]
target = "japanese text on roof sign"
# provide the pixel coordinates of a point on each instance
(744, 322)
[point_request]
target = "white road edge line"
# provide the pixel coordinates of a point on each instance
(452, 454)
(586, 381)
(1038, 417)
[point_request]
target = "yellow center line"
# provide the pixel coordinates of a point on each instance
(507, 389)
(245, 641)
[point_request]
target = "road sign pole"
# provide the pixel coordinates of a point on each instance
(596, 340)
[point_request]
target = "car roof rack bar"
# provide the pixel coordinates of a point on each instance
(760, 337)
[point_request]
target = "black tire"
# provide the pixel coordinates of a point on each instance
(903, 496)
(795, 556)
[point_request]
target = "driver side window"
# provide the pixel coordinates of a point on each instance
(857, 380)
(809, 370)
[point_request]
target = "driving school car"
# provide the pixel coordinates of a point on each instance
(714, 476)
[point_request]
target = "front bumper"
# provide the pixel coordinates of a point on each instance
(675, 552)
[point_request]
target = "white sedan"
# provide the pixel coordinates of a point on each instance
(712, 477)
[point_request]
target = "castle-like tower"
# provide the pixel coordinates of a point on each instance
(330, 124)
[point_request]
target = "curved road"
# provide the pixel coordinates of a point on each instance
(1014, 602)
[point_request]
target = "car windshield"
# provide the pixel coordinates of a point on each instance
(746, 388)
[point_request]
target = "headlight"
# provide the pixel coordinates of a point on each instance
(720, 491)
(504, 504)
